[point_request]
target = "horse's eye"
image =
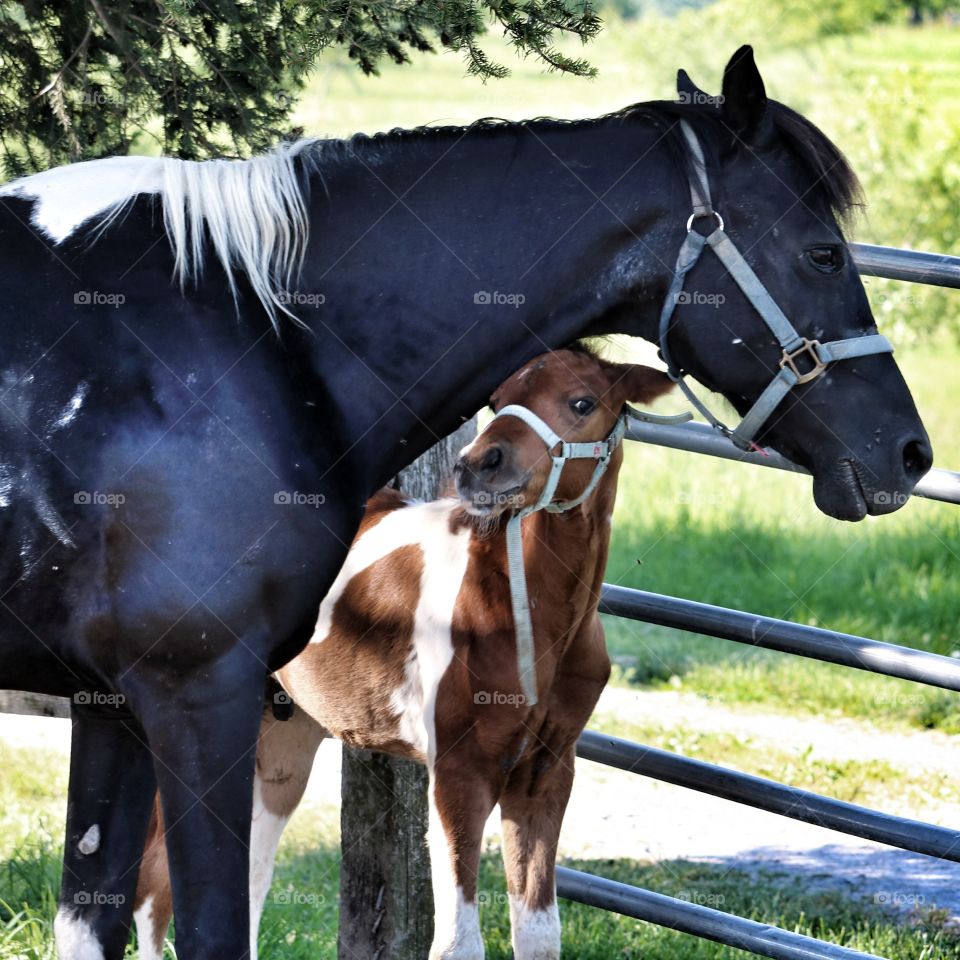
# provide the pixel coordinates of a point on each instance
(582, 406)
(826, 259)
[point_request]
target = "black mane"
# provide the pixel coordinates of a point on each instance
(833, 184)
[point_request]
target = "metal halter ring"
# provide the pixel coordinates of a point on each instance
(696, 216)
(810, 348)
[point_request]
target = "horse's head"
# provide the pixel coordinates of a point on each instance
(780, 186)
(577, 396)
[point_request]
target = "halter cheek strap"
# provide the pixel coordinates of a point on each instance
(601, 451)
(801, 361)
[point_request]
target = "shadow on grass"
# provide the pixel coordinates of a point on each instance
(300, 918)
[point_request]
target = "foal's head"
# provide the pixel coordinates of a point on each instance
(580, 398)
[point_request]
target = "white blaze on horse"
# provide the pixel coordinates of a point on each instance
(415, 654)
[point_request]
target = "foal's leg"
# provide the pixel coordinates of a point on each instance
(111, 786)
(537, 791)
(285, 756)
(461, 799)
(531, 808)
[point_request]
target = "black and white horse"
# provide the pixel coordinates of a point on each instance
(184, 464)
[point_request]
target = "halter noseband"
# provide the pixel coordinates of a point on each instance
(802, 360)
(601, 451)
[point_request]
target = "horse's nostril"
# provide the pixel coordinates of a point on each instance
(917, 459)
(491, 459)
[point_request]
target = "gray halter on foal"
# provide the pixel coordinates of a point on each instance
(798, 351)
(601, 451)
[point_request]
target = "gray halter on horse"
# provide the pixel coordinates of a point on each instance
(798, 352)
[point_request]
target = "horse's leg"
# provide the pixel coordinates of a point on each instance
(461, 799)
(285, 752)
(111, 785)
(531, 808)
(202, 728)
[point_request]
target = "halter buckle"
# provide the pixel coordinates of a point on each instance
(809, 349)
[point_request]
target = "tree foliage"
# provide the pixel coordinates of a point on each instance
(87, 78)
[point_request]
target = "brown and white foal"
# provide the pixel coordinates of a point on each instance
(414, 654)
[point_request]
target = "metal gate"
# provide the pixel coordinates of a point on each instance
(850, 651)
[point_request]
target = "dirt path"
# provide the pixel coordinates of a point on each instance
(615, 815)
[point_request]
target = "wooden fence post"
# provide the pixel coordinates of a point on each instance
(386, 902)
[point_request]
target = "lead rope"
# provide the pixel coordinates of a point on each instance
(520, 604)
(601, 451)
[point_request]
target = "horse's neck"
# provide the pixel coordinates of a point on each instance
(547, 217)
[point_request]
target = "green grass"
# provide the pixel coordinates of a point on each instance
(300, 918)
(685, 525)
(871, 782)
(752, 538)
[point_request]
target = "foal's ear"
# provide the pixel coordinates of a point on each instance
(745, 99)
(642, 384)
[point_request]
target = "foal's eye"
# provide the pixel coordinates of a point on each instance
(826, 259)
(582, 406)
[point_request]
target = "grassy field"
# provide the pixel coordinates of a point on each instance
(752, 538)
(300, 917)
(687, 526)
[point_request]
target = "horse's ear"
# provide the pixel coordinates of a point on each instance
(643, 384)
(688, 91)
(745, 99)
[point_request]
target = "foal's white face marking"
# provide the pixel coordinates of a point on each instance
(66, 197)
(75, 937)
(445, 558)
(535, 933)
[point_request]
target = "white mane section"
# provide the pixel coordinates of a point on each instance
(251, 212)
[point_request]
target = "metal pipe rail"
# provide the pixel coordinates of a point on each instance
(701, 921)
(783, 635)
(937, 269)
(859, 652)
(770, 795)
(938, 484)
